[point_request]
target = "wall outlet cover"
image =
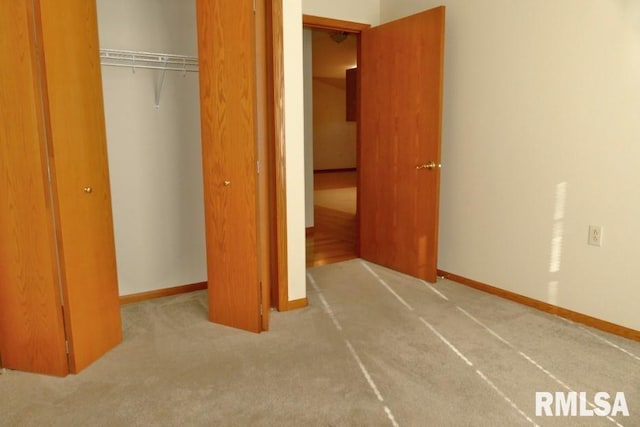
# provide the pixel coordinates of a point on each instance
(595, 235)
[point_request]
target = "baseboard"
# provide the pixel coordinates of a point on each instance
(297, 304)
(574, 316)
(334, 170)
(144, 296)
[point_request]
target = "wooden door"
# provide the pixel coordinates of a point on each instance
(227, 52)
(401, 71)
(77, 144)
(32, 334)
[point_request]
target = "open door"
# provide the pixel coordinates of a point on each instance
(59, 306)
(81, 175)
(229, 116)
(401, 74)
(32, 336)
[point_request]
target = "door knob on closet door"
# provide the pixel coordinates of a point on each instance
(227, 183)
(430, 166)
(88, 190)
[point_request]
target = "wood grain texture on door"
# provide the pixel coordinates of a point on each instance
(31, 324)
(401, 73)
(226, 47)
(81, 175)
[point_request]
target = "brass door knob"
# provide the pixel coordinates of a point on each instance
(88, 190)
(430, 166)
(227, 183)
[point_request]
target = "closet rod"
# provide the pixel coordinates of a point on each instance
(151, 67)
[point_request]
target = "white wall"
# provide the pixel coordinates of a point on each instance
(541, 138)
(363, 11)
(294, 140)
(154, 155)
(308, 125)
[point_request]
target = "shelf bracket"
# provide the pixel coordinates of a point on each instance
(159, 84)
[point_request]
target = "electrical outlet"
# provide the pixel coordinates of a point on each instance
(595, 235)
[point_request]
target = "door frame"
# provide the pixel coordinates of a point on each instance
(276, 155)
(321, 23)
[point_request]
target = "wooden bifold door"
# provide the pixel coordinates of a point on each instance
(233, 95)
(59, 306)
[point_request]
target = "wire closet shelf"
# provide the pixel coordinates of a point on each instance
(150, 60)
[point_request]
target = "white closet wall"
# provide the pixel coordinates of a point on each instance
(154, 153)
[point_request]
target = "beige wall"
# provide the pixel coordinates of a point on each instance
(294, 140)
(364, 11)
(334, 138)
(542, 138)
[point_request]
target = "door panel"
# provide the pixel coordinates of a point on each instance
(31, 325)
(79, 151)
(226, 45)
(401, 72)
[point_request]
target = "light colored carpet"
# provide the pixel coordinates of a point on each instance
(374, 348)
(340, 199)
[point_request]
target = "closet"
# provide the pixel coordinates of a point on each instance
(59, 308)
(149, 67)
(190, 201)
(59, 295)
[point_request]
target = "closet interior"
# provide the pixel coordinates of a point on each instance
(148, 56)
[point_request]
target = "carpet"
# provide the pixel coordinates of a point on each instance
(374, 348)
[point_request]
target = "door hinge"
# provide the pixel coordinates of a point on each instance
(258, 166)
(261, 310)
(66, 345)
(254, 6)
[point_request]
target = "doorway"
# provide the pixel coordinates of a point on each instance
(399, 96)
(331, 57)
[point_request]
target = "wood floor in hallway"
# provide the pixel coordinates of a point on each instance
(333, 238)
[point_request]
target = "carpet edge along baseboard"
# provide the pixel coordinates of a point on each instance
(159, 293)
(584, 319)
